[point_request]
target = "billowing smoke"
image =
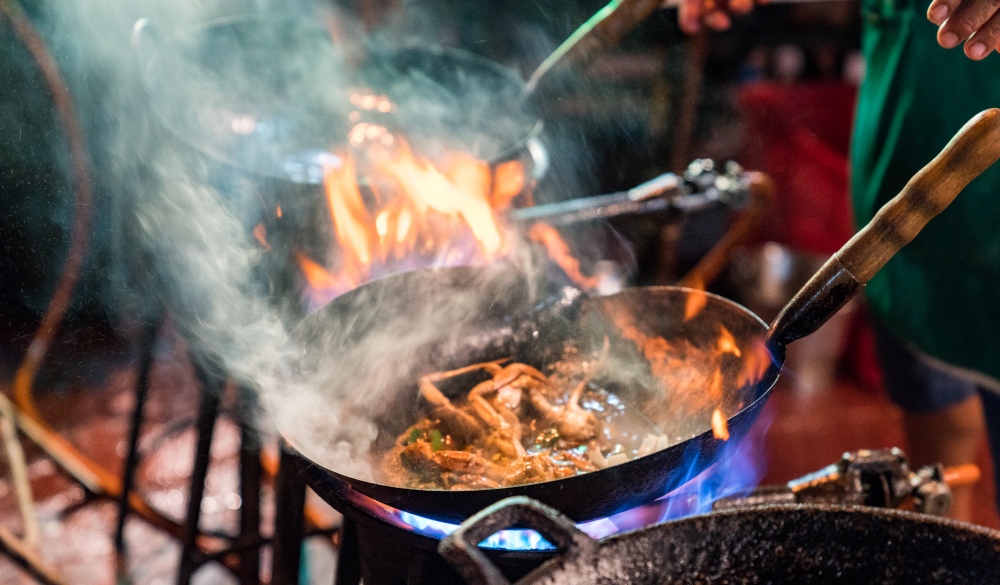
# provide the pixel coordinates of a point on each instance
(199, 136)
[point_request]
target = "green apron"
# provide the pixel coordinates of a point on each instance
(942, 292)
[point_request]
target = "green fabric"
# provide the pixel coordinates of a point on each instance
(942, 292)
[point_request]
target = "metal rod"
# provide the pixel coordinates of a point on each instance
(289, 521)
(349, 556)
(146, 349)
(655, 195)
(314, 518)
(24, 378)
(250, 472)
(19, 473)
(211, 390)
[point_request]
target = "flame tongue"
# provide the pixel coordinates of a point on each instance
(412, 213)
(350, 219)
(701, 368)
(462, 195)
(415, 213)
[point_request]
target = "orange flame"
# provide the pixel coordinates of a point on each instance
(260, 234)
(720, 428)
(462, 193)
(695, 302)
(715, 386)
(559, 252)
(694, 377)
(411, 212)
(508, 182)
(319, 278)
(351, 223)
(690, 378)
(755, 363)
(727, 343)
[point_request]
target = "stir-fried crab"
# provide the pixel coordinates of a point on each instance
(503, 433)
(479, 444)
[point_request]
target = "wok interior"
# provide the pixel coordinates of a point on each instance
(373, 344)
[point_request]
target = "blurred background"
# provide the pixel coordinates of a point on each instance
(775, 93)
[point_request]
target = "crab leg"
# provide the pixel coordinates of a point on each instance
(492, 367)
(573, 421)
(514, 371)
(456, 419)
(432, 394)
(506, 432)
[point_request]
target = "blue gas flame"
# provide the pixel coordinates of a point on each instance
(738, 470)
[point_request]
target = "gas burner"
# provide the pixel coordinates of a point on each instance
(880, 478)
(869, 478)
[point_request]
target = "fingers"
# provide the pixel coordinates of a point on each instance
(962, 21)
(940, 10)
(985, 40)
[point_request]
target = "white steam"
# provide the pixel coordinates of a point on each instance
(188, 138)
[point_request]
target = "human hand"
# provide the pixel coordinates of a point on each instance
(976, 22)
(715, 14)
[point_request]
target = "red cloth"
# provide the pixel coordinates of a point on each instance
(800, 136)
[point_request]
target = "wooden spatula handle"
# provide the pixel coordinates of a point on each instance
(929, 192)
(970, 152)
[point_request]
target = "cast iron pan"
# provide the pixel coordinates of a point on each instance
(446, 327)
(774, 544)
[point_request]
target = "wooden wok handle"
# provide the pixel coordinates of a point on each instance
(929, 192)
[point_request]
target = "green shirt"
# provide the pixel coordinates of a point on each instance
(942, 292)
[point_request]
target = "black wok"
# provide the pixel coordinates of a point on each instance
(775, 544)
(274, 96)
(445, 327)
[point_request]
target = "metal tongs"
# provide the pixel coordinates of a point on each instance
(696, 188)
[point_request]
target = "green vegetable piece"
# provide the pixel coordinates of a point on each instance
(414, 435)
(437, 442)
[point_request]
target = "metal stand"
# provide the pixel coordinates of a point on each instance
(208, 411)
(289, 521)
(349, 559)
(250, 474)
(243, 556)
(146, 348)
